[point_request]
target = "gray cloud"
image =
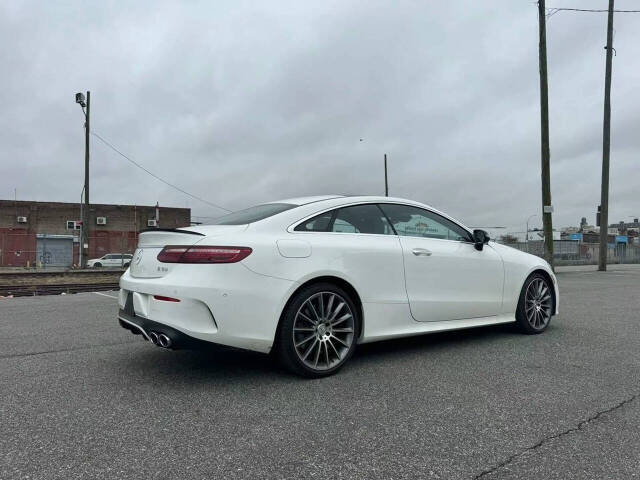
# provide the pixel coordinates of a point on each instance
(244, 102)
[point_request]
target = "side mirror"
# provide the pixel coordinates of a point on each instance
(480, 237)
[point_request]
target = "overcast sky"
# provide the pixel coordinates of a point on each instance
(246, 102)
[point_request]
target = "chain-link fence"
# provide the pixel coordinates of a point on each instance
(574, 252)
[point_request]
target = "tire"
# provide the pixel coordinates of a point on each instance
(535, 305)
(97, 265)
(126, 265)
(327, 325)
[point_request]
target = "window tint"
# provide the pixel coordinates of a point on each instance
(253, 214)
(316, 224)
(361, 219)
(417, 222)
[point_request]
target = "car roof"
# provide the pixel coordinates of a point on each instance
(305, 200)
(309, 206)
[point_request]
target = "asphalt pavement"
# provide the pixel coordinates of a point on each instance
(82, 398)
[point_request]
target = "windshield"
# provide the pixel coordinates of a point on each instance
(253, 214)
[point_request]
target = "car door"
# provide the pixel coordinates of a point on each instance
(358, 242)
(110, 260)
(446, 277)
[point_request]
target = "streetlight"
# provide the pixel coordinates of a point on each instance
(527, 234)
(86, 108)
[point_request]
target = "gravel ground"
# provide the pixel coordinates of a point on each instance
(82, 398)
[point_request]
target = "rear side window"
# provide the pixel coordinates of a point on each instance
(316, 224)
(253, 214)
(357, 219)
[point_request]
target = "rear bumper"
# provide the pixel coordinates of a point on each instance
(144, 327)
(221, 304)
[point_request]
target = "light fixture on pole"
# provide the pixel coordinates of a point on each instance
(85, 104)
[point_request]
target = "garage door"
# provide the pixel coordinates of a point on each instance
(54, 250)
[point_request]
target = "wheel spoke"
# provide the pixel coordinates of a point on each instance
(304, 329)
(343, 343)
(346, 316)
(330, 304)
(336, 311)
(333, 347)
(315, 362)
(326, 353)
(306, 318)
(302, 342)
(313, 309)
(321, 306)
(306, 354)
(342, 330)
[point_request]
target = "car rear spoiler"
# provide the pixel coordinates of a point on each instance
(175, 230)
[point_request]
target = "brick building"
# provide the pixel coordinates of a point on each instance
(47, 233)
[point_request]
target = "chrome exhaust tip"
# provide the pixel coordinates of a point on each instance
(164, 341)
(153, 336)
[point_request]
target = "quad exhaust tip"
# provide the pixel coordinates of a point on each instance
(164, 341)
(153, 336)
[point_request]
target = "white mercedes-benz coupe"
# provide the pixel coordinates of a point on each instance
(310, 278)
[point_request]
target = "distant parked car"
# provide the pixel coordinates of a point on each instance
(111, 260)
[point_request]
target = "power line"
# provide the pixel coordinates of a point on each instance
(592, 10)
(154, 175)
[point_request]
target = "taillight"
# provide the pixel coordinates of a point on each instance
(202, 254)
(165, 299)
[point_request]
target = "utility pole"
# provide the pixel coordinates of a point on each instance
(606, 144)
(86, 219)
(84, 237)
(386, 183)
(547, 208)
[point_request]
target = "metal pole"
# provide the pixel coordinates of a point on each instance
(544, 140)
(81, 238)
(85, 216)
(527, 235)
(606, 144)
(386, 182)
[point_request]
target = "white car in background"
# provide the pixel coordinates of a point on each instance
(310, 278)
(112, 260)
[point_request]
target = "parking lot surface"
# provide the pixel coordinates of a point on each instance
(82, 398)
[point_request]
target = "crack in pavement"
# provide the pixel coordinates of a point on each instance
(87, 347)
(545, 440)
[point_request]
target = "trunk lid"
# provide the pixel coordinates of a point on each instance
(145, 264)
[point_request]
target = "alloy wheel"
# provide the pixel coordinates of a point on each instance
(323, 330)
(538, 303)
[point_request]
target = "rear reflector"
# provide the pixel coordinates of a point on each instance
(165, 299)
(202, 254)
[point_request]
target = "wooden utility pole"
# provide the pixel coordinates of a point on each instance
(386, 183)
(547, 208)
(86, 216)
(606, 144)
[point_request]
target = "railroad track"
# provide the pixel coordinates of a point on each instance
(32, 290)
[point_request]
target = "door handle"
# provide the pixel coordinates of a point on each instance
(421, 252)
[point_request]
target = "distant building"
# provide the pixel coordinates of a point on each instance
(47, 233)
(624, 226)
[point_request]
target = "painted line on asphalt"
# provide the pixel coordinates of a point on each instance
(105, 295)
